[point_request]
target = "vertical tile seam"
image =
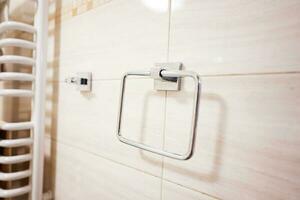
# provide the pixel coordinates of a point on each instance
(169, 29)
(166, 98)
(165, 115)
(163, 146)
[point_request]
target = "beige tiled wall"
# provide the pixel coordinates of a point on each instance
(247, 53)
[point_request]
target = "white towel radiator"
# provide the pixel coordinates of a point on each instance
(38, 77)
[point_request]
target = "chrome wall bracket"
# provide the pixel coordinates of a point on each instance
(166, 80)
(165, 83)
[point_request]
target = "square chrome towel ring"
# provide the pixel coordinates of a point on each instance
(165, 74)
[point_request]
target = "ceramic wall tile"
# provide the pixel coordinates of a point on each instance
(82, 175)
(109, 40)
(90, 121)
(247, 143)
(235, 37)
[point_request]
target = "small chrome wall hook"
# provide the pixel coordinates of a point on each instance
(83, 81)
(73, 80)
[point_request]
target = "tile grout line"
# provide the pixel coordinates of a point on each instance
(166, 100)
(169, 29)
(250, 74)
(203, 76)
(192, 189)
(98, 155)
(163, 144)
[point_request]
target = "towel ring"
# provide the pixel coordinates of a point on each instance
(171, 76)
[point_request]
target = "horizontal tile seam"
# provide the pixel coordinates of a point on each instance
(119, 163)
(192, 189)
(203, 76)
(98, 80)
(250, 74)
(98, 155)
